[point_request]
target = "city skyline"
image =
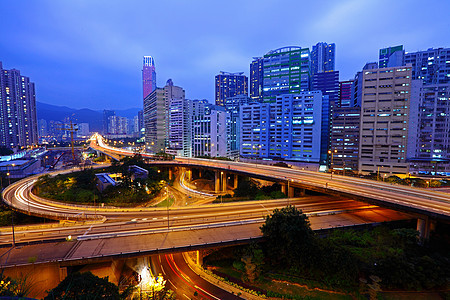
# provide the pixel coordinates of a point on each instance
(98, 62)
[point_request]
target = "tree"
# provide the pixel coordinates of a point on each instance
(5, 151)
(18, 287)
(84, 286)
(289, 238)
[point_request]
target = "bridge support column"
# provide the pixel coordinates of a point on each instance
(216, 181)
(291, 192)
(189, 175)
(302, 192)
(235, 183)
(424, 227)
(199, 173)
(224, 181)
(170, 173)
(283, 188)
(200, 257)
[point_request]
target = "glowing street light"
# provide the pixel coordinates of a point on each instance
(331, 164)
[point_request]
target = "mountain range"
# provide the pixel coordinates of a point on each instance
(51, 112)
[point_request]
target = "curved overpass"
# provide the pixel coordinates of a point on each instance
(409, 199)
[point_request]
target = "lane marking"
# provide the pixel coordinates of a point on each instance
(196, 286)
(87, 231)
(172, 283)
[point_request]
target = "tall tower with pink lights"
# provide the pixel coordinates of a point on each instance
(148, 75)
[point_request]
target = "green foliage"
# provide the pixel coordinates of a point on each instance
(5, 151)
(80, 187)
(84, 286)
(253, 260)
(281, 164)
(246, 188)
(17, 287)
(239, 265)
(289, 238)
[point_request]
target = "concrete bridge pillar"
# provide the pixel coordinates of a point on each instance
(235, 183)
(189, 175)
(424, 227)
(220, 181)
(170, 173)
(224, 181)
(283, 188)
(199, 173)
(216, 181)
(291, 192)
(200, 257)
(302, 192)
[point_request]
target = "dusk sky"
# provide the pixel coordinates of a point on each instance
(88, 54)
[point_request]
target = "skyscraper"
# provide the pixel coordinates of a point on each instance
(328, 84)
(392, 57)
(385, 108)
(148, 75)
(429, 129)
(323, 57)
(18, 122)
(106, 125)
(232, 106)
(256, 79)
(230, 85)
(345, 94)
(286, 71)
(210, 131)
(155, 121)
(289, 128)
(431, 66)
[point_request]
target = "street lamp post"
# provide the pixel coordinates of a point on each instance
(221, 180)
(331, 164)
(168, 224)
(289, 202)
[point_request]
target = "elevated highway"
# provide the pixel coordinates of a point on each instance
(425, 202)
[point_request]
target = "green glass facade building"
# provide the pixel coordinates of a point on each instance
(286, 71)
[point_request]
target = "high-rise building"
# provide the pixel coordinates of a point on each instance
(323, 57)
(209, 133)
(117, 125)
(431, 66)
(178, 118)
(345, 94)
(286, 71)
(385, 108)
(148, 75)
(328, 84)
(141, 122)
(42, 128)
(345, 138)
(232, 106)
(256, 79)
(230, 85)
(392, 57)
(429, 129)
(289, 128)
(106, 125)
(155, 121)
(83, 130)
(358, 83)
(18, 122)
